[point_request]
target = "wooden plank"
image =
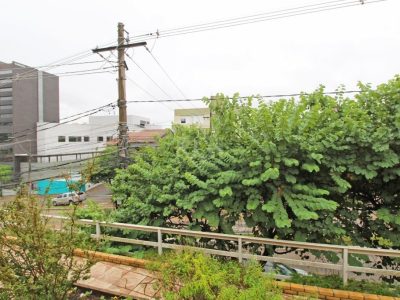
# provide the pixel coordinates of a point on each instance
(373, 251)
(374, 271)
(293, 261)
(205, 250)
(131, 241)
(248, 239)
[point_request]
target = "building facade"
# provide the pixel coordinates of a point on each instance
(27, 96)
(193, 116)
(58, 138)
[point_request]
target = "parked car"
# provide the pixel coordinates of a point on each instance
(282, 269)
(68, 198)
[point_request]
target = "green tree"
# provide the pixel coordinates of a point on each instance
(37, 262)
(5, 176)
(320, 169)
(102, 168)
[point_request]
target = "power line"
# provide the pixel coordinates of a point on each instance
(63, 61)
(165, 72)
(148, 76)
(139, 86)
(82, 114)
(61, 123)
(78, 72)
(57, 65)
(279, 14)
(256, 96)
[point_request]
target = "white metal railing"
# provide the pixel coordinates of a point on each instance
(343, 267)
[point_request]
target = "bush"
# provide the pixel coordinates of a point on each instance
(193, 275)
(335, 282)
(36, 261)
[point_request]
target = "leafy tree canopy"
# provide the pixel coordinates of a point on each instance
(318, 168)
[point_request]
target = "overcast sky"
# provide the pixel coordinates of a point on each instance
(360, 43)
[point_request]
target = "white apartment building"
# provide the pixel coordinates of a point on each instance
(69, 138)
(193, 116)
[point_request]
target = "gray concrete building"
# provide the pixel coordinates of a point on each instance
(27, 96)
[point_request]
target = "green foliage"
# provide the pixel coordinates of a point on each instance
(190, 275)
(335, 282)
(320, 168)
(5, 173)
(92, 211)
(102, 168)
(5, 176)
(37, 262)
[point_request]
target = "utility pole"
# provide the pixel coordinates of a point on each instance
(30, 169)
(122, 125)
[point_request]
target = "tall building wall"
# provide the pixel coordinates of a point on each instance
(30, 96)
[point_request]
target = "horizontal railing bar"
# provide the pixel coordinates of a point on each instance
(293, 261)
(373, 271)
(131, 241)
(231, 237)
(293, 244)
(205, 250)
(372, 251)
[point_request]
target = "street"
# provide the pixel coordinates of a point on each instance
(100, 194)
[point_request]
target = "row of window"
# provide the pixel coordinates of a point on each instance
(62, 139)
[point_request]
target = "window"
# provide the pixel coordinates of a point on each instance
(5, 107)
(61, 138)
(109, 138)
(86, 139)
(4, 136)
(5, 90)
(5, 81)
(183, 121)
(142, 124)
(5, 116)
(74, 139)
(100, 139)
(4, 72)
(5, 99)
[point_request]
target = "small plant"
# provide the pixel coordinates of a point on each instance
(37, 261)
(193, 275)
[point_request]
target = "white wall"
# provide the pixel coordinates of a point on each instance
(100, 126)
(133, 121)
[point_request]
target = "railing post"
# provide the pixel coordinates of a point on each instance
(98, 230)
(159, 241)
(240, 252)
(345, 274)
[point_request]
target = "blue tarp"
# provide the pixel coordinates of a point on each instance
(55, 186)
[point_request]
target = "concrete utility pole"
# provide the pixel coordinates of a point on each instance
(122, 126)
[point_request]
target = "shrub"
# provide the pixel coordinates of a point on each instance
(194, 275)
(36, 261)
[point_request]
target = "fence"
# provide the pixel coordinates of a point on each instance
(343, 267)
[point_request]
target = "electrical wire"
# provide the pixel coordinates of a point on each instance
(256, 96)
(57, 65)
(165, 72)
(279, 14)
(109, 105)
(148, 76)
(60, 62)
(31, 131)
(84, 72)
